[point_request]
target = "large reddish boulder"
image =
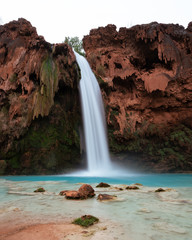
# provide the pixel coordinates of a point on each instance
(73, 195)
(86, 191)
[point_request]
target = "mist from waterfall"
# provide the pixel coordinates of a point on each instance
(94, 122)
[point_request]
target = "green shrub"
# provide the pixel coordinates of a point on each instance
(86, 220)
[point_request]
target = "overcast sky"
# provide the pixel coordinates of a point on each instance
(58, 19)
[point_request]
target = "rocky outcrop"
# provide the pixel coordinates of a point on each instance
(39, 102)
(145, 73)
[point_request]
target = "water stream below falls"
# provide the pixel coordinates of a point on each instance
(97, 152)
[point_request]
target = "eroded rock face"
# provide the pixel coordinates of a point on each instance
(145, 73)
(38, 100)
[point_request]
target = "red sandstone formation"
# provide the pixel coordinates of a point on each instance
(145, 73)
(32, 71)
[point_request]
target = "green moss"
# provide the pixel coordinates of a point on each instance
(14, 162)
(13, 78)
(171, 147)
(44, 96)
(50, 145)
(40, 190)
(86, 221)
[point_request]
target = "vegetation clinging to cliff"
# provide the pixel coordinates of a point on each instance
(76, 44)
(44, 96)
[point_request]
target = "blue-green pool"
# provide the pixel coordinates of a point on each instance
(151, 180)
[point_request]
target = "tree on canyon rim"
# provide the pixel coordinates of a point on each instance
(76, 44)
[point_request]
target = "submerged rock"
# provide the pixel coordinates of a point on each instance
(40, 190)
(102, 184)
(138, 184)
(132, 188)
(106, 197)
(160, 190)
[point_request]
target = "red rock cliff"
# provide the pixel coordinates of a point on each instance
(33, 74)
(146, 77)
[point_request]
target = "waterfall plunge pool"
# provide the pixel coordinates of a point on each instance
(137, 215)
(150, 180)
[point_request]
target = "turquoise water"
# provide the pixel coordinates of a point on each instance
(136, 215)
(151, 180)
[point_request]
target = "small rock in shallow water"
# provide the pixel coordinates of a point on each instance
(160, 190)
(102, 184)
(40, 190)
(106, 197)
(138, 184)
(132, 188)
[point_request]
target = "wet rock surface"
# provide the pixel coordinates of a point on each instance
(145, 73)
(106, 197)
(84, 192)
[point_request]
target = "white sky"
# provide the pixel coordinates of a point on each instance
(58, 19)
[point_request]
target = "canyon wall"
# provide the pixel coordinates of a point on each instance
(145, 73)
(39, 103)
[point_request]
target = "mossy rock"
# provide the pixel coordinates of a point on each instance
(40, 190)
(86, 220)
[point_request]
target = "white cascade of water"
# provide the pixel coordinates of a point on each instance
(94, 123)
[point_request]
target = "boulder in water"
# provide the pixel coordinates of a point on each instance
(106, 197)
(102, 184)
(86, 191)
(72, 195)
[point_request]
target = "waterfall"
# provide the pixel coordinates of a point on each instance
(94, 123)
